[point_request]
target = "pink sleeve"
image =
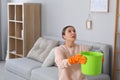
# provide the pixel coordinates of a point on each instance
(60, 58)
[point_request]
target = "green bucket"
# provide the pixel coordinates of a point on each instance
(93, 65)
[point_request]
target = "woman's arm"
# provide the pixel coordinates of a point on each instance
(63, 62)
(60, 58)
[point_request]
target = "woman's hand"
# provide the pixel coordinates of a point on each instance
(78, 58)
(81, 59)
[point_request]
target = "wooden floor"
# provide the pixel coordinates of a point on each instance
(2, 70)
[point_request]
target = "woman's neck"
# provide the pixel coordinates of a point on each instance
(69, 44)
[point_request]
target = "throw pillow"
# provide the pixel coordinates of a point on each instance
(41, 49)
(50, 60)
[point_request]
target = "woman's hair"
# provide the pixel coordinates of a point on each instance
(64, 29)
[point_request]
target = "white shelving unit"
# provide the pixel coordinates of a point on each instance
(24, 22)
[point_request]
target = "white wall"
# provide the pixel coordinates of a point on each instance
(4, 26)
(58, 13)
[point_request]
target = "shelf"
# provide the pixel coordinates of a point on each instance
(12, 55)
(16, 21)
(19, 30)
(19, 21)
(11, 44)
(12, 37)
(11, 12)
(23, 28)
(19, 47)
(11, 29)
(19, 38)
(16, 54)
(19, 12)
(11, 20)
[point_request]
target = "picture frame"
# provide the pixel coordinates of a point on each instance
(99, 5)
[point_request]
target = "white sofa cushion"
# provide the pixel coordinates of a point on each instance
(51, 73)
(22, 66)
(99, 77)
(50, 60)
(41, 49)
(45, 73)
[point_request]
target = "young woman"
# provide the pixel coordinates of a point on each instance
(67, 58)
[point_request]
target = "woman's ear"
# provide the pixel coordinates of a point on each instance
(63, 36)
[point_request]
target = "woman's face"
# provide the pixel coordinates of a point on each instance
(70, 34)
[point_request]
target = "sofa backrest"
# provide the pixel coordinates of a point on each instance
(41, 49)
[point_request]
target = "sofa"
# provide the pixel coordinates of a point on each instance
(37, 66)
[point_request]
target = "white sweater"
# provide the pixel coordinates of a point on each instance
(66, 70)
